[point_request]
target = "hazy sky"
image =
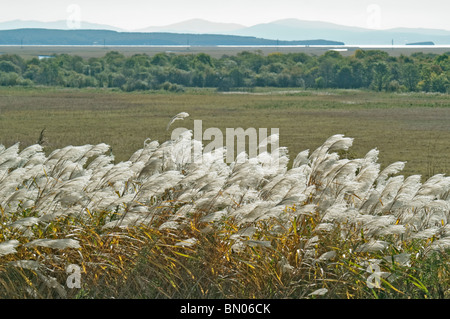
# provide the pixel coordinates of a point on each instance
(134, 14)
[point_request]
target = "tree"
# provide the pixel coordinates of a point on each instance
(181, 62)
(250, 60)
(300, 57)
(376, 56)
(117, 80)
(328, 66)
(212, 77)
(344, 78)
(296, 76)
(237, 77)
(198, 78)
(96, 67)
(365, 69)
(380, 75)
(410, 76)
(9, 79)
(443, 61)
(7, 66)
(14, 59)
(201, 61)
(358, 73)
(360, 54)
(439, 83)
(160, 59)
(320, 82)
(179, 76)
(114, 60)
(49, 73)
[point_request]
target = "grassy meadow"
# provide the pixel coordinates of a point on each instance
(331, 224)
(411, 127)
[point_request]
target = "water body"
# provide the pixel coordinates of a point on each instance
(350, 46)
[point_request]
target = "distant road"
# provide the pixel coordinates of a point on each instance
(89, 51)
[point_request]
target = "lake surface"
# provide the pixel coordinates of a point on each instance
(349, 46)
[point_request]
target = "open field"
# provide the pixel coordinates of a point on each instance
(77, 225)
(28, 52)
(404, 127)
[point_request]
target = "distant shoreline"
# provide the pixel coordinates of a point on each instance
(89, 51)
(349, 46)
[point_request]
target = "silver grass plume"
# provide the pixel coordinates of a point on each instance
(54, 243)
(347, 195)
(179, 116)
(8, 247)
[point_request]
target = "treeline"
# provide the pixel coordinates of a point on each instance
(371, 69)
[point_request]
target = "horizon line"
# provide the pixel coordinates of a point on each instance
(140, 29)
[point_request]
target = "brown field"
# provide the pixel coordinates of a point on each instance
(28, 52)
(404, 127)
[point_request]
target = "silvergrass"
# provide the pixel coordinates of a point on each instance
(157, 226)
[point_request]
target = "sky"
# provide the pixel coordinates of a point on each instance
(135, 14)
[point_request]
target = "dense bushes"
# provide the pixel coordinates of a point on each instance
(370, 69)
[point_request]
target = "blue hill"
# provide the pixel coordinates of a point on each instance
(100, 37)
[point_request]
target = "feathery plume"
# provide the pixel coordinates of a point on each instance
(54, 243)
(8, 247)
(179, 116)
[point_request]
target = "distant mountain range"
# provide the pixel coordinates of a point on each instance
(282, 30)
(59, 25)
(198, 26)
(292, 28)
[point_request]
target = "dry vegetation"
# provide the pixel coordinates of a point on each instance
(147, 224)
(409, 127)
(158, 226)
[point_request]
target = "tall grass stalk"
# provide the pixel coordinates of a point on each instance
(157, 226)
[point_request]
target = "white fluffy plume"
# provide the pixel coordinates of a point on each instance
(159, 185)
(179, 116)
